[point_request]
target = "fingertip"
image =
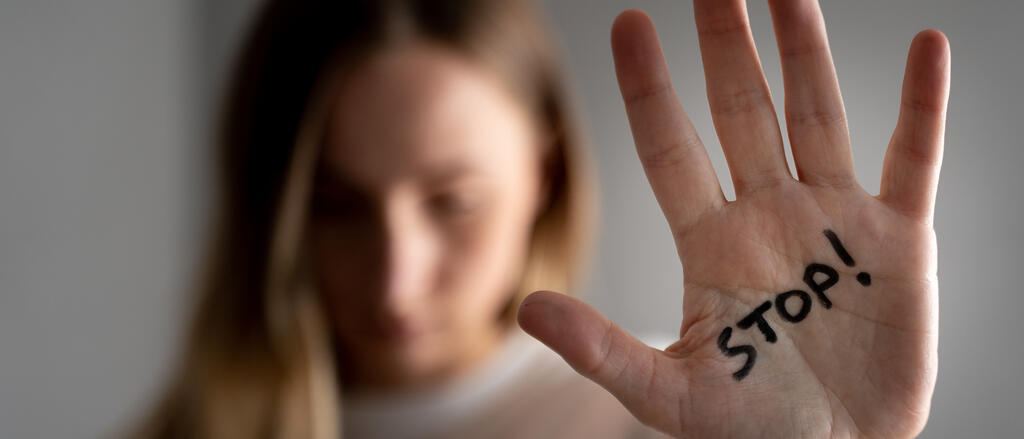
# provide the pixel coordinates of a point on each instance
(537, 311)
(932, 37)
(567, 325)
(926, 81)
(931, 46)
(629, 18)
(627, 26)
(639, 62)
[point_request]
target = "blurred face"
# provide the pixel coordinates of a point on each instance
(422, 210)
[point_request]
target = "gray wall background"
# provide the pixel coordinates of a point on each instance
(105, 105)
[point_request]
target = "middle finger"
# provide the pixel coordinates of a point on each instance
(741, 104)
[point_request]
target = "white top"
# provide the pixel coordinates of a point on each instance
(524, 390)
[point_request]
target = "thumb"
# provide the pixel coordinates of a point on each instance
(598, 349)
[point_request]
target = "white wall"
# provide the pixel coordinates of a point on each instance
(96, 207)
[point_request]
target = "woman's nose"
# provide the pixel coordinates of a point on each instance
(408, 262)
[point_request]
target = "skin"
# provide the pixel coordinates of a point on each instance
(424, 201)
(864, 368)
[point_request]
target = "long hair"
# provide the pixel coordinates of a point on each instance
(257, 360)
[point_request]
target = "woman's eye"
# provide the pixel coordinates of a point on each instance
(453, 204)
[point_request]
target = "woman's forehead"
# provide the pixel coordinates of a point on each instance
(422, 112)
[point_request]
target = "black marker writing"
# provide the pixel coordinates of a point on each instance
(805, 305)
(864, 278)
(820, 288)
(837, 245)
(756, 316)
(723, 345)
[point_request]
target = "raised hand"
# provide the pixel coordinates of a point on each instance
(809, 306)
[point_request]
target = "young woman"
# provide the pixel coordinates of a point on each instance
(398, 175)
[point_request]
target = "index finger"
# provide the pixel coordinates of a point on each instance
(673, 157)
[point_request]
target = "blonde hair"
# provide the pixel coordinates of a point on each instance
(257, 359)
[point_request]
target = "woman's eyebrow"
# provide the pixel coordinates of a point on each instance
(448, 173)
(328, 179)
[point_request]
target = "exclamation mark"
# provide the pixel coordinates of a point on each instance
(862, 277)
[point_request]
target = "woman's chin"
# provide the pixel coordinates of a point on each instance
(388, 366)
(414, 351)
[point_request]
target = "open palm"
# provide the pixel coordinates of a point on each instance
(809, 307)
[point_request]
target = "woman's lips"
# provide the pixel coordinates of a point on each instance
(395, 330)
